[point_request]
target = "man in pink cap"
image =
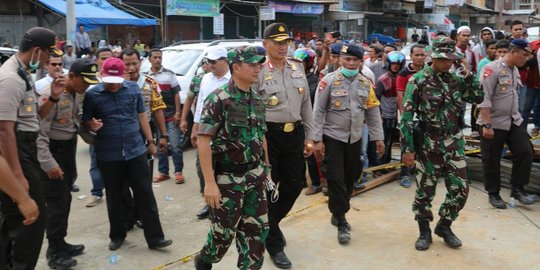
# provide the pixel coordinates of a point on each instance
(115, 110)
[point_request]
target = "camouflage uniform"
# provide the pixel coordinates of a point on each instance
(236, 121)
(195, 86)
(438, 99)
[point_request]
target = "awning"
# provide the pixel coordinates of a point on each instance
(93, 14)
(479, 7)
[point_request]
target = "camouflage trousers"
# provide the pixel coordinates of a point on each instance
(432, 166)
(243, 213)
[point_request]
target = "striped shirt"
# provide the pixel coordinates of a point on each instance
(169, 88)
(120, 137)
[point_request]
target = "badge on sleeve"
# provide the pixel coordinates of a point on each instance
(487, 72)
(301, 90)
(322, 85)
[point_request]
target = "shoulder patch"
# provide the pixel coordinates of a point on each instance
(322, 85)
(487, 72)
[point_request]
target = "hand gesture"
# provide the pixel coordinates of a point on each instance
(55, 173)
(58, 85)
(95, 124)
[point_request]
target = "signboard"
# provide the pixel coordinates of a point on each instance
(199, 8)
(219, 25)
(267, 13)
(431, 19)
(442, 10)
(297, 8)
(429, 4)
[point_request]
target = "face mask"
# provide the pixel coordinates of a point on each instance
(349, 72)
(34, 66)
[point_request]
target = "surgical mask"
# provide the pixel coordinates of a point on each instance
(349, 72)
(34, 66)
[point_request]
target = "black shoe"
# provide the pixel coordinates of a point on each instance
(443, 230)
(204, 213)
(114, 245)
(73, 250)
(281, 261)
(128, 226)
(200, 264)
(344, 233)
(61, 261)
(75, 188)
(496, 201)
(334, 222)
(161, 243)
(139, 223)
(424, 240)
(522, 196)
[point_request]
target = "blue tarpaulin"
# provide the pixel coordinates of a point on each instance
(96, 13)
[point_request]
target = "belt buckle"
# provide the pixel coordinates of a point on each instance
(288, 127)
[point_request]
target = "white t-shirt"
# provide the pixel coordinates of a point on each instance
(42, 84)
(209, 83)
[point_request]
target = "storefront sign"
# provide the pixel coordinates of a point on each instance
(296, 8)
(199, 8)
(219, 24)
(267, 13)
(431, 19)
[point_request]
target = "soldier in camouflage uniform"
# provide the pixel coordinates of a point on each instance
(190, 100)
(437, 97)
(234, 160)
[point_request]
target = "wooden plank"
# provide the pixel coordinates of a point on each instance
(383, 166)
(378, 181)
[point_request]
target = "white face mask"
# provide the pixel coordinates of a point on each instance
(34, 66)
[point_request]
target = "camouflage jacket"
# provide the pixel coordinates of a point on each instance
(195, 85)
(236, 121)
(438, 100)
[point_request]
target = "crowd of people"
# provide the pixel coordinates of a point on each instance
(265, 118)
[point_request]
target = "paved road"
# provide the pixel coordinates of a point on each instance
(382, 238)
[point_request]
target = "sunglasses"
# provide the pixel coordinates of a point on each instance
(56, 64)
(213, 62)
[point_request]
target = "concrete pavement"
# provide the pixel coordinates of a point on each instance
(383, 231)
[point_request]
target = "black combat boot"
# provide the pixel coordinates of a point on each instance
(200, 264)
(523, 197)
(59, 259)
(72, 250)
(443, 230)
(424, 240)
(344, 234)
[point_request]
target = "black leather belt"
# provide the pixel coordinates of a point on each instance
(438, 130)
(284, 127)
(220, 168)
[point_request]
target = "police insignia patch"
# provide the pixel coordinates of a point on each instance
(487, 72)
(322, 85)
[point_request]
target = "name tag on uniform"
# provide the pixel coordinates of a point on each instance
(340, 93)
(297, 74)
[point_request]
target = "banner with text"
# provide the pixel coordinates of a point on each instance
(296, 8)
(199, 8)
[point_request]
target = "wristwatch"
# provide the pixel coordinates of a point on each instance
(53, 100)
(164, 136)
(488, 125)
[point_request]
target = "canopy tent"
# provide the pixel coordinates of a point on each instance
(97, 13)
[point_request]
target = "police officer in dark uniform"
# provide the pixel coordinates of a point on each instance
(285, 92)
(19, 125)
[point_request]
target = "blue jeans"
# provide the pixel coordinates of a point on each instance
(532, 95)
(95, 174)
(175, 146)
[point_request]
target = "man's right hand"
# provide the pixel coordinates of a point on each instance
(408, 159)
(55, 173)
(212, 196)
(183, 126)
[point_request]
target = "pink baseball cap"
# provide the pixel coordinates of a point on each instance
(112, 70)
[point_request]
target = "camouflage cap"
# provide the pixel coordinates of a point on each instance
(445, 48)
(248, 54)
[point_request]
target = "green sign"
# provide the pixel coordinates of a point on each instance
(199, 8)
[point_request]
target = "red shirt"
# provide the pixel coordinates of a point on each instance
(403, 77)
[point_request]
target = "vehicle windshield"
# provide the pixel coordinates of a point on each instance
(179, 61)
